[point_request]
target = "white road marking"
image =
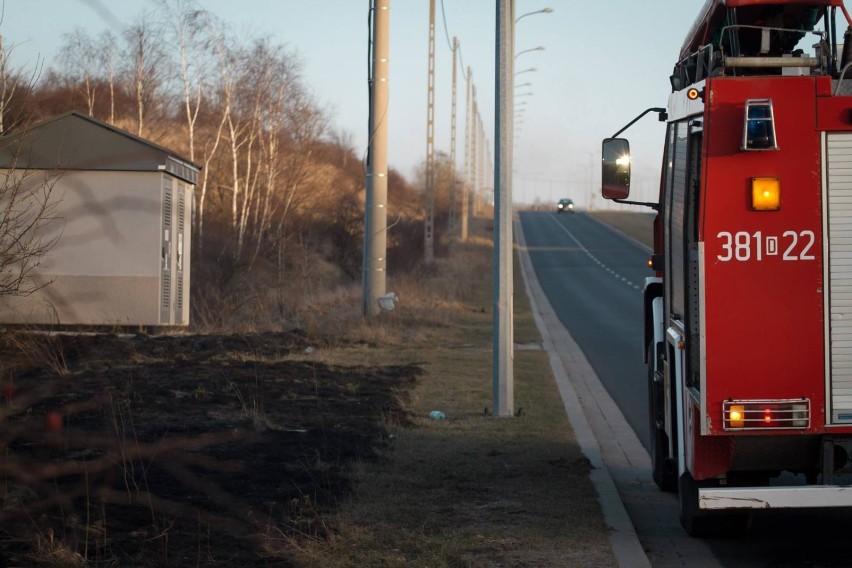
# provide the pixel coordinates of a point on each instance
(593, 257)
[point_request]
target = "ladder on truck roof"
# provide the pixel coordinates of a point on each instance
(748, 37)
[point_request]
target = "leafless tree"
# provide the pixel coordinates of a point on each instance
(27, 212)
(80, 60)
(29, 225)
(305, 125)
(7, 91)
(12, 82)
(149, 68)
(107, 48)
(228, 59)
(267, 73)
(189, 34)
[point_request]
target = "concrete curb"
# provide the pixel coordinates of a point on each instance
(623, 539)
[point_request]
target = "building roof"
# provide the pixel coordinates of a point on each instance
(76, 141)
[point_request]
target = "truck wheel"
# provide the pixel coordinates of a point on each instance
(711, 524)
(664, 466)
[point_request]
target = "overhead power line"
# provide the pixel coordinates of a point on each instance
(447, 35)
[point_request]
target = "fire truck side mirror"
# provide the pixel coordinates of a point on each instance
(615, 173)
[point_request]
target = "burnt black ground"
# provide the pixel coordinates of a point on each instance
(181, 450)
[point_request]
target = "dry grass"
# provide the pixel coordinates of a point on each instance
(430, 302)
(470, 490)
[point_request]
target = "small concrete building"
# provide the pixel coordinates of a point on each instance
(123, 208)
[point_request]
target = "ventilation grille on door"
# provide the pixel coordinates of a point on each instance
(838, 232)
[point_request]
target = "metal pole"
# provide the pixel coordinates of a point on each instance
(476, 142)
(482, 172)
(468, 125)
(481, 181)
(429, 216)
(591, 181)
(451, 214)
(375, 210)
(488, 172)
(503, 377)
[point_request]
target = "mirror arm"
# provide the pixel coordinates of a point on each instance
(658, 110)
(654, 206)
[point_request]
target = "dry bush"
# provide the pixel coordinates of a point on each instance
(226, 303)
(321, 300)
(428, 298)
(44, 346)
(312, 282)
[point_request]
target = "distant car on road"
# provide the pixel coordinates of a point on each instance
(565, 205)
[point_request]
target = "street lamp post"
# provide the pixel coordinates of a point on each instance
(503, 348)
(503, 352)
(591, 169)
(542, 11)
(539, 48)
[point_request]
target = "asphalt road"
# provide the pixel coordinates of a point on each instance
(592, 277)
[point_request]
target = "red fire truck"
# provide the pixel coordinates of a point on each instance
(748, 321)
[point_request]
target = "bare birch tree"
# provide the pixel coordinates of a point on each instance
(228, 59)
(149, 67)
(273, 125)
(189, 35)
(107, 48)
(263, 81)
(80, 60)
(305, 125)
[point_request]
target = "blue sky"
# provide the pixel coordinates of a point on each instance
(603, 63)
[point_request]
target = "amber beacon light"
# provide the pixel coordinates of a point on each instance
(765, 194)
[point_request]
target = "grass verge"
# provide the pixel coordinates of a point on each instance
(638, 225)
(470, 490)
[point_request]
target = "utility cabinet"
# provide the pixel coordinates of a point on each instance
(122, 228)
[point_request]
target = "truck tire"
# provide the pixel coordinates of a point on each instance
(710, 524)
(664, 467)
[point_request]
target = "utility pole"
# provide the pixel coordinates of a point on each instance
(479, 201)
(468, 125)
(429, 217)
(489, 169)
(451, 216)
(503, 356)
(482, 164)
(375, 210)
(475, 152)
